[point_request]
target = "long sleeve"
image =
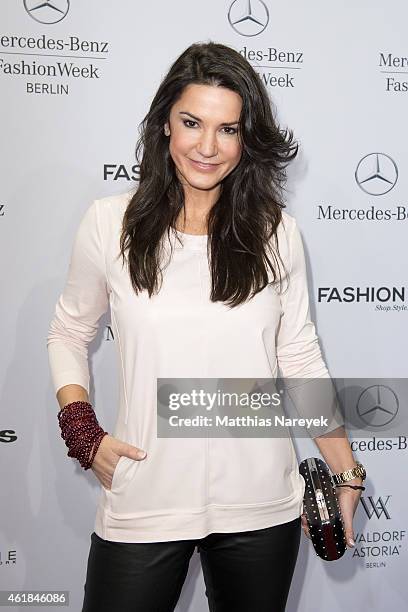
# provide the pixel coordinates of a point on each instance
(84, 300)
(297, 345)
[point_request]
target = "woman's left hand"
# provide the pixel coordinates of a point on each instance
(348, 501)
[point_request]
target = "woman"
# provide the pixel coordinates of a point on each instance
(191, 264)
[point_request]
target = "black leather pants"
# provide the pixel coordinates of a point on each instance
(249, 571)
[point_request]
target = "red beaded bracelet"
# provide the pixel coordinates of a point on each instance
(81, 431)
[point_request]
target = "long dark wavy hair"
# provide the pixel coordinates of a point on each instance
(249, 208)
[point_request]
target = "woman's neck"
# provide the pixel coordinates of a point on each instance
(193, 218)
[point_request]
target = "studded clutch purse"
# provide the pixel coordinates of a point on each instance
(322, 510)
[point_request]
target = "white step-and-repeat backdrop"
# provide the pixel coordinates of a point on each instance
(76, 79)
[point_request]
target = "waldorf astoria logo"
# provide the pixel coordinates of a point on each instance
(376, 507)
(47, 11)
(385, 540)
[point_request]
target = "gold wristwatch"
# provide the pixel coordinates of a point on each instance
(355, 472)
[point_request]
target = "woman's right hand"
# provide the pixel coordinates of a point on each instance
(107, 456)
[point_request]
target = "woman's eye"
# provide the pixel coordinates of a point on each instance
(233, 130)
(186, 121)
(190, 123)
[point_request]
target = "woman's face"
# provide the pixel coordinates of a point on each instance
(203, 129)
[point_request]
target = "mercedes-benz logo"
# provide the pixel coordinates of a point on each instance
(377, 405)
(376, 174)
(249, 17)
(47, 11)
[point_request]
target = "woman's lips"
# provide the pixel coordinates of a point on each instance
(202, 166)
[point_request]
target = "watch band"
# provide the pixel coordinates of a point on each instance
(347, 475)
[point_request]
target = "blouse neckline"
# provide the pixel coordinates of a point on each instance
(191, 241)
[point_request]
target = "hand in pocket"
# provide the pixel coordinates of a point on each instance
(108, 454)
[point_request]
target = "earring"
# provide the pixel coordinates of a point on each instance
(166, 131)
